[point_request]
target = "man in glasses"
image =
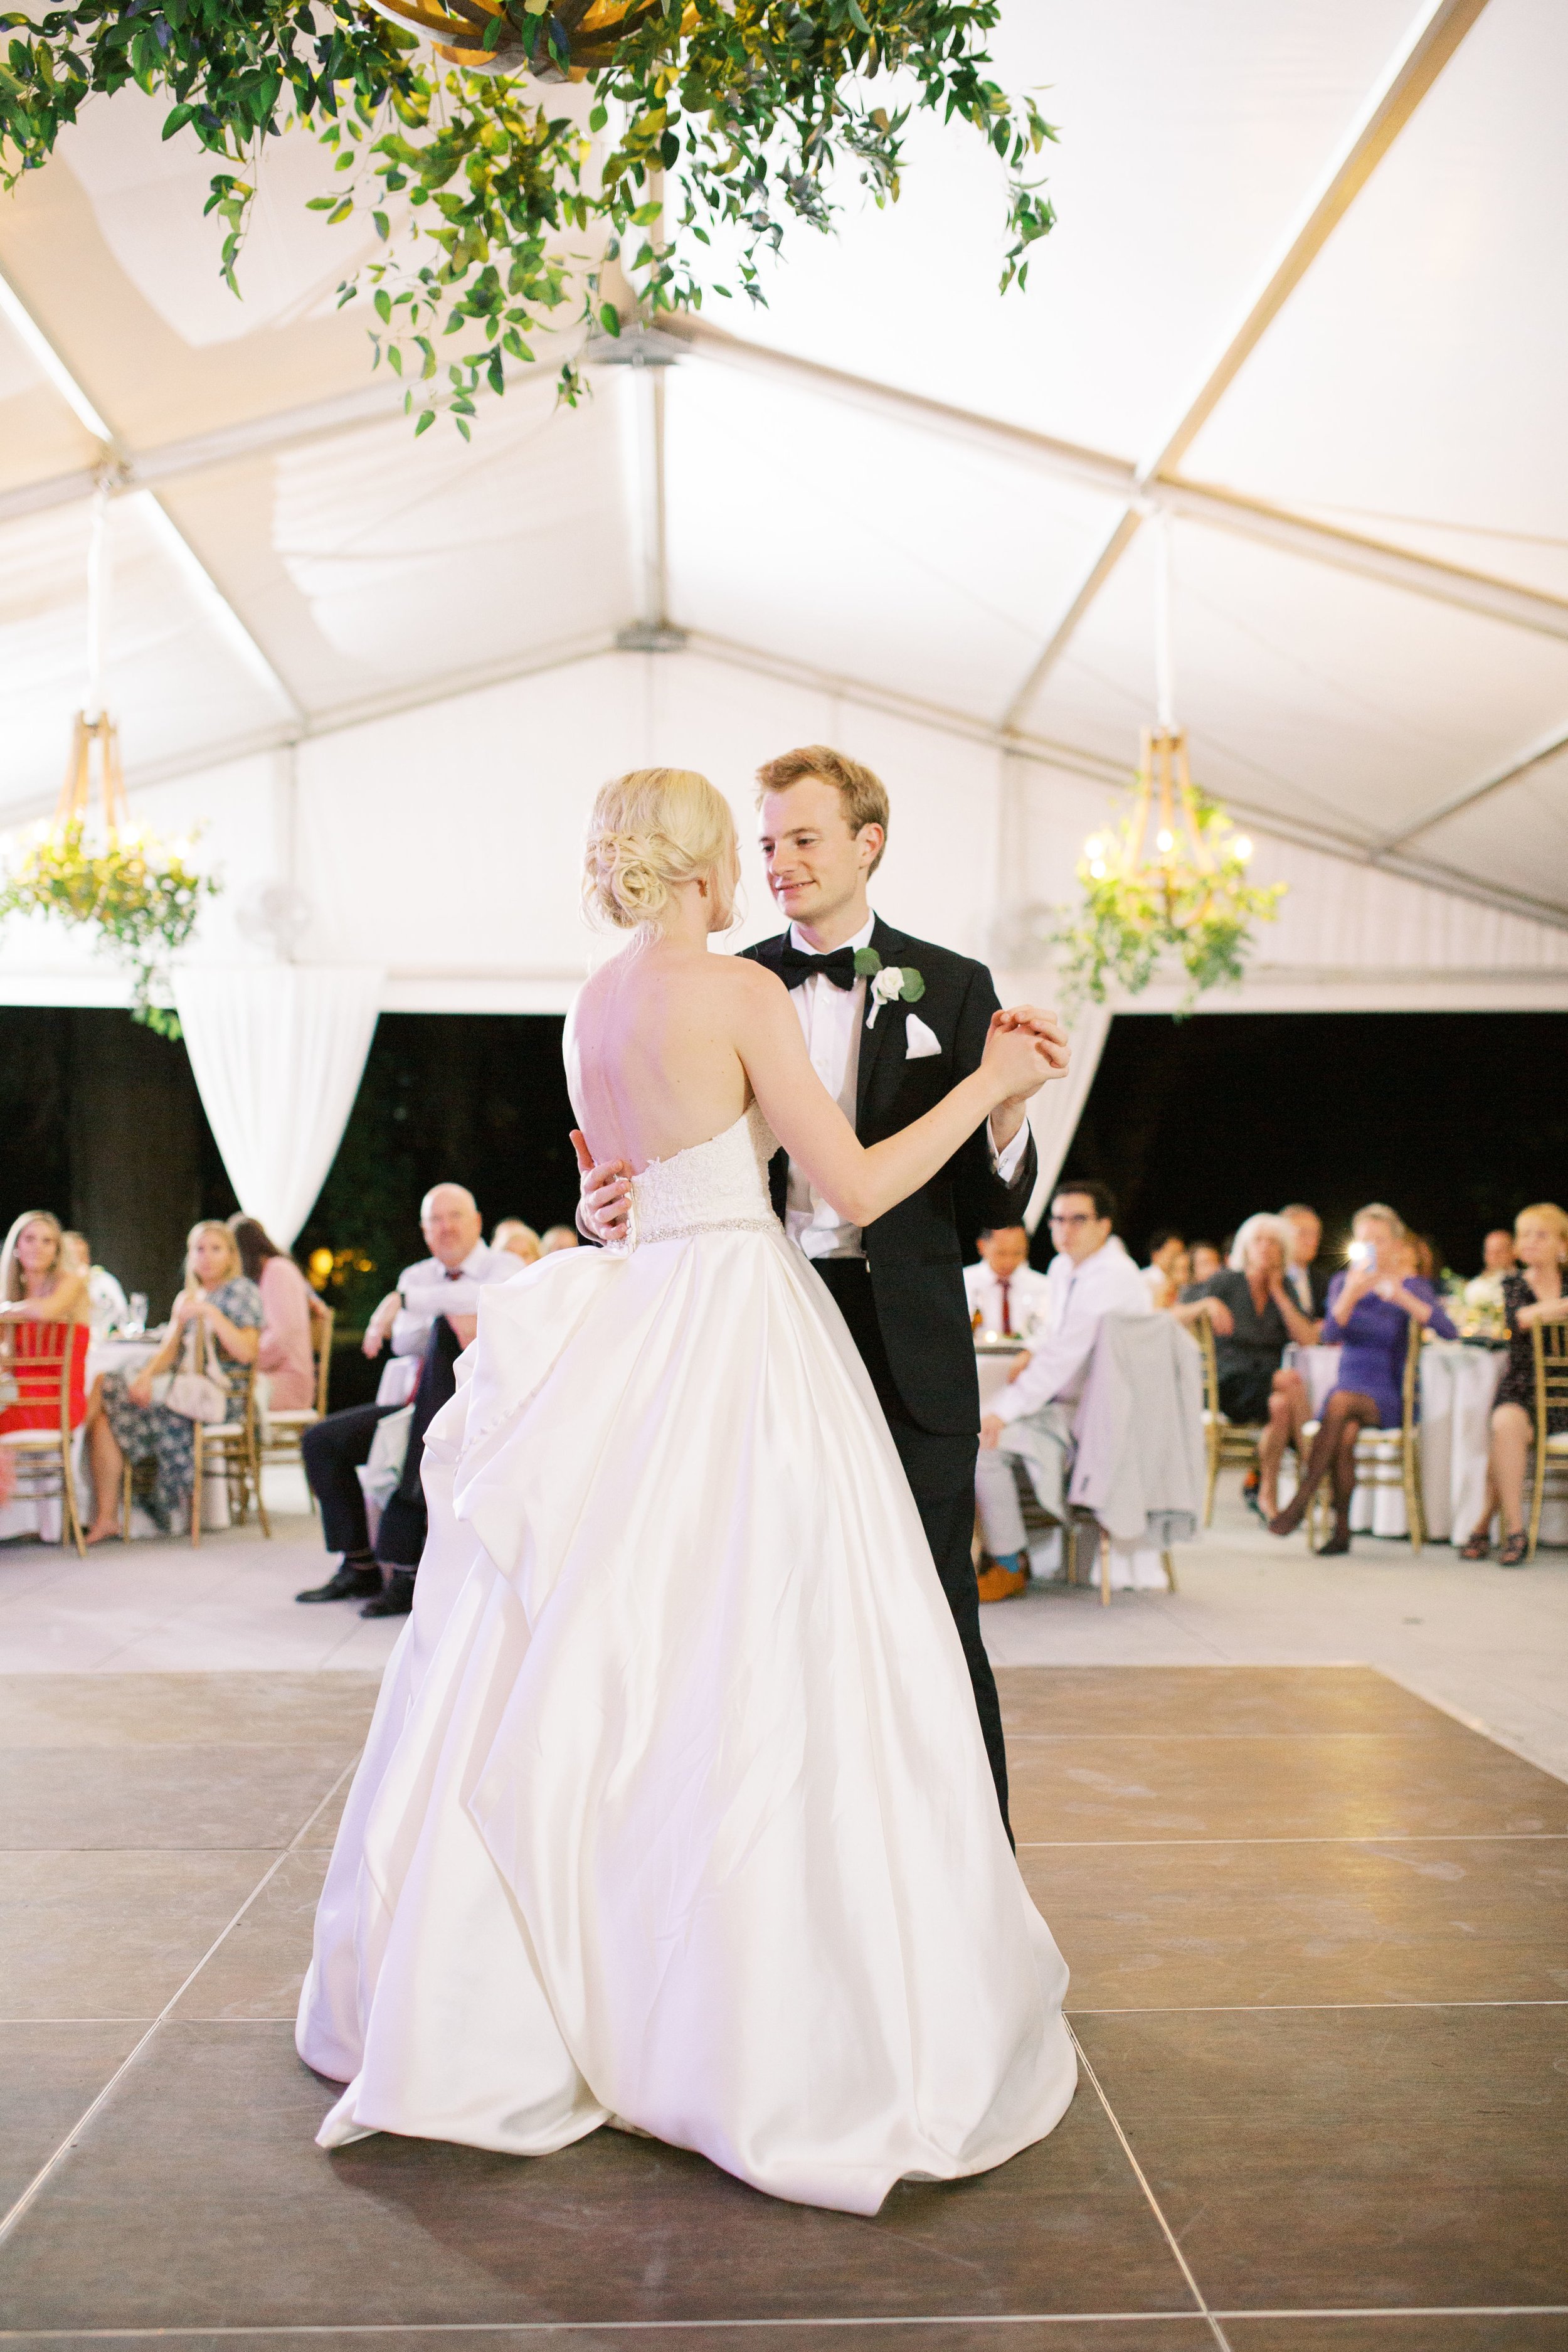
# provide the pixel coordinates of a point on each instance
(1031, 1420)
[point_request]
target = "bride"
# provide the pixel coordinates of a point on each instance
(674, 1813)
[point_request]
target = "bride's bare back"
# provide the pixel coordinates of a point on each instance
(653, 1056)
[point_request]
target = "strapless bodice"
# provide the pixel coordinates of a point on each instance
(719, 1186)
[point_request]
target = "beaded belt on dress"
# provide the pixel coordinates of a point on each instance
(638, 1237)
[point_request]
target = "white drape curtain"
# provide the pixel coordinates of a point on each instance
(278, 1052)
(1055, 1111)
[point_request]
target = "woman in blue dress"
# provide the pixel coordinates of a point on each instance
(1370, 1306)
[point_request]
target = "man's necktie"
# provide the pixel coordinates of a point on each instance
(1006, 1316)
(796, 968)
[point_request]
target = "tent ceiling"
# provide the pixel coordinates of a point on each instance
(1406, 392)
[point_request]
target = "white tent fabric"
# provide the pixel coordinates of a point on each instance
(277, 1055)
(1305, 296)
(1055, 1111)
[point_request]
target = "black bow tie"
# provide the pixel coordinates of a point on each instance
(796, 968)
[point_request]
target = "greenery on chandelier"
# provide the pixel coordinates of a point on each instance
(748, 105)
(143, 896)
(1189, 900)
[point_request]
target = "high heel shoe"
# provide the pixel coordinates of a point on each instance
(1339, 1541)
(1478, 1545)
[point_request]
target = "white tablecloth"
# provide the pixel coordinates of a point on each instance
(1458, 1387)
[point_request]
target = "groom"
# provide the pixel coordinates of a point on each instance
(890, 1022)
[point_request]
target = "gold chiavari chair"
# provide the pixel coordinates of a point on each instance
(1549, 1344)
(282, 1431)
(1392, 1458)
(1226, 1444)
(229, 1449)
(42, 1375)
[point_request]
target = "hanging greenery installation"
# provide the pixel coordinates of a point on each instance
(743, 109)
(1181, 896)
(143, 898)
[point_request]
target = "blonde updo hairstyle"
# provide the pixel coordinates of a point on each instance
(651, 831)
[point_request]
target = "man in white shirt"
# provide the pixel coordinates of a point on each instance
(1004, 1289)
(1308, 1286)
(428, 1320)
(1498, 1258)
(1032, 1421)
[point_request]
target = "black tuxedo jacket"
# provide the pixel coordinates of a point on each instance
(916, 1252)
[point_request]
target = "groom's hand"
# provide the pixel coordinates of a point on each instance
(604, 1193)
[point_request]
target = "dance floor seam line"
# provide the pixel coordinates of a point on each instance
(1382, 1837)
(817, 2319)
(46, 2171)
(1154, 2203)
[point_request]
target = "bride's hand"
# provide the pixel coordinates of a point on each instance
(605, 1190)
(1027, 1042)
(1015, 1060)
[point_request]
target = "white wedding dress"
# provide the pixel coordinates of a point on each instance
(674, 1813)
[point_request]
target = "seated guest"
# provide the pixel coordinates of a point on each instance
(1167, 1252)
(1204, 1260)
(215, 1326)
(1498, 1261)
(512, 1235)
(429, 1319)
(38, 1291)
(1032, 1421)
(288, 1304)
(107, 1304)
(559, 1237)
(1370, 1306)
(1304, 1278)
(1004, 1291)
(1535, 1291)
(1254, 1317)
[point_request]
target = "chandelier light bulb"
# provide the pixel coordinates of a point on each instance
(1094, 847)
(1242, 847)
(1097, 867)
(1165, 840)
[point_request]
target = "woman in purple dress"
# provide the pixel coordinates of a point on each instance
(1370, 1306)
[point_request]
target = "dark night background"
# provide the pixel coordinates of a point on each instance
(1194, 1123)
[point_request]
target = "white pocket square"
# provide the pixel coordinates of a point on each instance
(919, 1040)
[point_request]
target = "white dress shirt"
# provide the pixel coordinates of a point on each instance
(832, 1020)
(427, 1290)
(1025, 1297)
(1077, 1297)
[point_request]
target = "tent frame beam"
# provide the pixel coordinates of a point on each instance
(1428, 48)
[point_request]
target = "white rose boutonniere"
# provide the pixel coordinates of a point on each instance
(891, 983)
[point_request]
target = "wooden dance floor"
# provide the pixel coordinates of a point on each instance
(1320, 1982)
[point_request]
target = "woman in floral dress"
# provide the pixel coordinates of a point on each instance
(123, 1423)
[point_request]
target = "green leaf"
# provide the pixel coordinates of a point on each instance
(176, 119)
(383, 305)
(426, 419)
(383, 228)
(341, 212)
(609, 317)
(914, 987)
(867, 961)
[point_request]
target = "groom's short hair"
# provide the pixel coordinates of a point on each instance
(864, 795)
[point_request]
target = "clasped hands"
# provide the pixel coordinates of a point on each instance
(605, 1188)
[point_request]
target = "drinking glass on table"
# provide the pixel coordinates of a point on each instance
(135, 1323)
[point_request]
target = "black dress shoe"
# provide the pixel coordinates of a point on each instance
(349, 1584)
(398, 1598)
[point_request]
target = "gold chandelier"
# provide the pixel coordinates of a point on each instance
(1170, 881)
(565, 40)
